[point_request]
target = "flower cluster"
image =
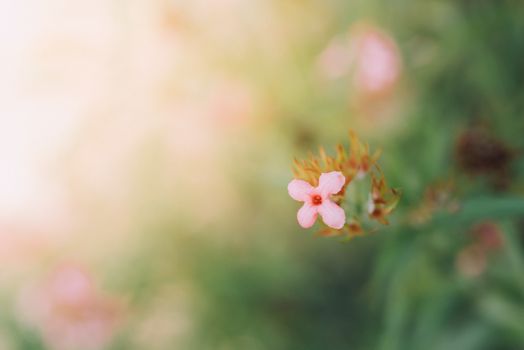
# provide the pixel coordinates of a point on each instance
(351, 180)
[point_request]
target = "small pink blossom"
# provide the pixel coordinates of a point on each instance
(316, 200)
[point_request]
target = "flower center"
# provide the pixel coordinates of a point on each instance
(316, 199)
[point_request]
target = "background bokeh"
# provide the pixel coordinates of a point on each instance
(146, 148)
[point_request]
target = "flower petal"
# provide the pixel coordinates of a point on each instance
(333, 215)
(299, 190)
(307, 215)
(331, 183)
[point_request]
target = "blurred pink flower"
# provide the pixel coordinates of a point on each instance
(334, 61)
(488, 235)
(316, 200)
(369, 54)
(69, 311)
(471, 261)
(377, 61)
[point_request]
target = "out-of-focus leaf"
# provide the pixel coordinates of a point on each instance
(482, 208)
(514, 254)
(504, 314)
(431, 318)
(471, 337)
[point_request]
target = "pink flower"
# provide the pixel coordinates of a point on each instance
(316, 200)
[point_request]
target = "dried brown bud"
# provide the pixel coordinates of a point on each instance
(478, 151)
